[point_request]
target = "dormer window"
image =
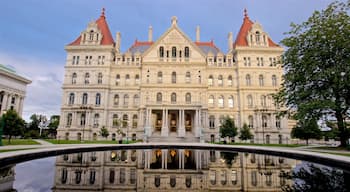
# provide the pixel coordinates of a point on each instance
(161, 51)
(173, 52)
(187, 52)
(257, 37)
(91, 35)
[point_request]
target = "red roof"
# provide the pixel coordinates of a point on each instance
(141, 43)
(241, 39)
(101, 22)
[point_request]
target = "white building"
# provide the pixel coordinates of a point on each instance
(173, 88)
(12, 90)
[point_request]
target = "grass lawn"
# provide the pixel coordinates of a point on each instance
(9, 150)
(264, 145)
(55, 141)
(19, 142)
(332, 148)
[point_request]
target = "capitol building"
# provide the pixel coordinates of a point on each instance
(171, 89)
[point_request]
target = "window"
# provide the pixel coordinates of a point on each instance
(136, 100)
(247, 80)
(126, 100)
(64, 176)
(98, 99)
(85, 98)
(223, 177)
(263, 101)
(161, 52)
(280, 142)
(271, 63)
(117, 79)
(127, 79)
(92, 177)
(229, 81)
(116, 99)
(74, 78)
(125, 120)
(211, 101)
(134, 121)
(230, 102)
(278, 122)
(254, 178)
(261, 80)
(173, 98)
(173, 77)
(245, 61)
(210, 80)
(115, 120)
(132, 176)
(274, 80)
(160, 77)
(234, 177)
(261, 61)
(173, 52)
(220, 80)
(257, 37)
(87, 76)
(264, 121)
(69, 119)
(221, 101)
(250, 101)
(159, 97)
(71, 99)
(212, 177)
(188, 77)
(188, 98)
(211, 121)
(187, 52)
(250, 121)
(82, 119)
(99, 78)
(75, 60)
(96, 118)
(137, 79)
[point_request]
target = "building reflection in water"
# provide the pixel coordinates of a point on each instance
(171, 170)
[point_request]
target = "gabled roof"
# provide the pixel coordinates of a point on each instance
(140, 46)
(241, 39)
(207, 47)
(107, 38)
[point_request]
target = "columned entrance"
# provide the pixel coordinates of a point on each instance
(173, 159)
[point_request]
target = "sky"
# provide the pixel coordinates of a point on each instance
(33, 33)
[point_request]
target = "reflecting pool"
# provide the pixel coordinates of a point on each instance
(169, 170)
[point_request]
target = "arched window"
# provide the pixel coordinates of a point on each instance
(188, 77)
(74, 78)
(211, 101)
(64, 175)
(274, 80)
(210, 80)
(257, 37)
(161, 51)
(173, 52)
(125, 120)
(69, 119)
(71, 99)
(136, 100)
(278, 122)
(247, 80)
(127, 79)
(211, 121)
(117, 79)
(250, 121)
(98, 99)
(250, 101)
(85, 98)
(126, 100)
(173, 98)
(82, 119)
(221, 101)
(160, 77)
(116, 99)
(87, 78)
(137, 79)
(173, 77)
(220, 80)
(96, 118)
(230, 102)
(263, 100)
(229, 81)
(187, 52)
(116, 122)
(134, 121)
(159, 97)
(261, 80)
(99, 78)
(188, 97)
(264, 121)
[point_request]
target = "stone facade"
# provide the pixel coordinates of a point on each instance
(12, 90)
(171, 89)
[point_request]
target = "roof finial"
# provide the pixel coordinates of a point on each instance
(103, 12)
(245, 12)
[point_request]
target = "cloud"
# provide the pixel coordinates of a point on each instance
(44, 93)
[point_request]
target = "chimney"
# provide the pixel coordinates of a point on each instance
(198, 35)
(150, 32)
(229, 41)
(117, 41)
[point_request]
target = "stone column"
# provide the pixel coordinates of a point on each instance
(4, 103)
(165, 130)
(20, 108)
(148, 130)
(182, 131)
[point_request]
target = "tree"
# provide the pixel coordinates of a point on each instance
(104, 132)
(317, 67)
(228, 128)
(306, 130)
(53, 125)
(245, 133)
(13, 124)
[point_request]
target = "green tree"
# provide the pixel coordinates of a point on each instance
(104, 132)
(317, 66)
(228, 128)
(13, 124)
(245, 133)
(306, 130)
(53, 125)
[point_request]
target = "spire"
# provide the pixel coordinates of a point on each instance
(103, 12)
(173, 20)
(245, 13)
